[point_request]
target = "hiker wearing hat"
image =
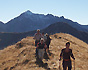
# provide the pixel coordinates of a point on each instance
(41, 45)
(65, 54)
(37, 38)
(44, 36)
(48, 41)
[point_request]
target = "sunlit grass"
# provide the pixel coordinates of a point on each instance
(23, 58)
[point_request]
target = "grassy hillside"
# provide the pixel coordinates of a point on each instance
(23, 58)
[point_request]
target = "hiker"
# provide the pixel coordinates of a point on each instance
(44, 36)
(37, 38)
(41, 45)
(65, 54)
(48, 41)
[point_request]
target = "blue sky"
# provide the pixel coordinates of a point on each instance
(76, 10)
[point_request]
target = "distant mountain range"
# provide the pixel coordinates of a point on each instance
(29, 21)
(66, 28)
(12, 38)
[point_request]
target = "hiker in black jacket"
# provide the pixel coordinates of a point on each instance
(41, 46)
(65, 54)
(48, 41)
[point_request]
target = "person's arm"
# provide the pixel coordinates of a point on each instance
(49, 38)
(45, 46)
(72, 55)
(61, 54)
(41, 36)
(37, 45)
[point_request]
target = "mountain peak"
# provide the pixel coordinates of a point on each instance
(28, 12)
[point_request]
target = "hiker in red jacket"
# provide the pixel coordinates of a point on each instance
(65, 54)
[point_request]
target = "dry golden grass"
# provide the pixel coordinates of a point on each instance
(15, 58)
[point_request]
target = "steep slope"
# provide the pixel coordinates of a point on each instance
(23, 58)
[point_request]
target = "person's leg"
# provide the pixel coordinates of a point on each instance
(45, 50)
(42, 53)
(64, 65)
(39, 53)
(69, 68)
(69, 65)
(35, 43)
(36, 48)
(36, 51)
(48, 47)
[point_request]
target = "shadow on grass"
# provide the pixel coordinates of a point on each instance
(41, 63)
